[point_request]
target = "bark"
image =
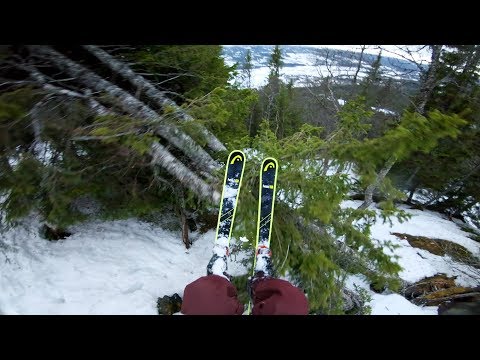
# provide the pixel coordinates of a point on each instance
(129, 104)
(429, 82)
(410, 195)
(359, 65)
(98, 108)
(160, 155)
(163, 158)
(157, 96)
(180, 210)
(371, 188)
(424, 95)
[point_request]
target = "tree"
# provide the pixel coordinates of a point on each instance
(247, 68)
(95, 131)
(277, 101)
(426, 88)
(451, 171)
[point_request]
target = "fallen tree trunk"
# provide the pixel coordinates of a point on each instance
(161, 156)
(151, 92)
(128, 103)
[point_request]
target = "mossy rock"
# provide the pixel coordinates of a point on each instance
(447, 296)
(428, 285)
(169, 305)
(472, 234)
(440, 247)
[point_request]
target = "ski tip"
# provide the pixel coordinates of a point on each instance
(236, 155)
(269, 163)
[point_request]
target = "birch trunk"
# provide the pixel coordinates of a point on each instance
(142, 85)
(371, 188)
(129, 104)
(161, 156)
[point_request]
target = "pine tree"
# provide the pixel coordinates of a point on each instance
(451, 170)
(277, 101)
(247, 68)
(97, 141)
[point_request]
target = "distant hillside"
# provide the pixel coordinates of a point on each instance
(300, 61)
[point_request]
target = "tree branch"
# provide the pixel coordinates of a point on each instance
(150, 91)
(128, 103)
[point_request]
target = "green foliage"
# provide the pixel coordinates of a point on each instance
(20, 187)
(353, 117)
(125, 131)
(190, 71)
(14, 123)
(309, 221)
(414, 133)
(277, 102)
(450, 169)
(365, 298)
(225, 112)
(275, 62)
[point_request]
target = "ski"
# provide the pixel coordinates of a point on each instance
(266, 203)
(228, 204)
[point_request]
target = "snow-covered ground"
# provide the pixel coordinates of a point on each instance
(418, 263)
(115, 267)
(122, 267)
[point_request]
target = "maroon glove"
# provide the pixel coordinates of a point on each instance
(211, 295)
(273, 296)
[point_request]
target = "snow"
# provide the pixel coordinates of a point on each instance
(385, 111)
(418, 263)
(122, 267)
(115, 267)
(304, 67)
(391, 304)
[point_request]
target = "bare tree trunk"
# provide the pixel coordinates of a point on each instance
(359, 65)
(128, 103)
(161, 157)
(371, 188)
(409, 185)
(180, 210)
(150, 91)
(98, 108)
(429, 82)
(412, 192)
(424, 95)
(455, 183)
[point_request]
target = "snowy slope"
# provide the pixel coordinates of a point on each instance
(122, 267)
(118, 267)
(417, 263)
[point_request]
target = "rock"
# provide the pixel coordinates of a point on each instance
(459, 308)
(421, 242)
(352, 302)
(379, 289)
(444, 296)
(440, 290)
(52, 234)
(428, 285)
(169, 305)
(440, 247)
